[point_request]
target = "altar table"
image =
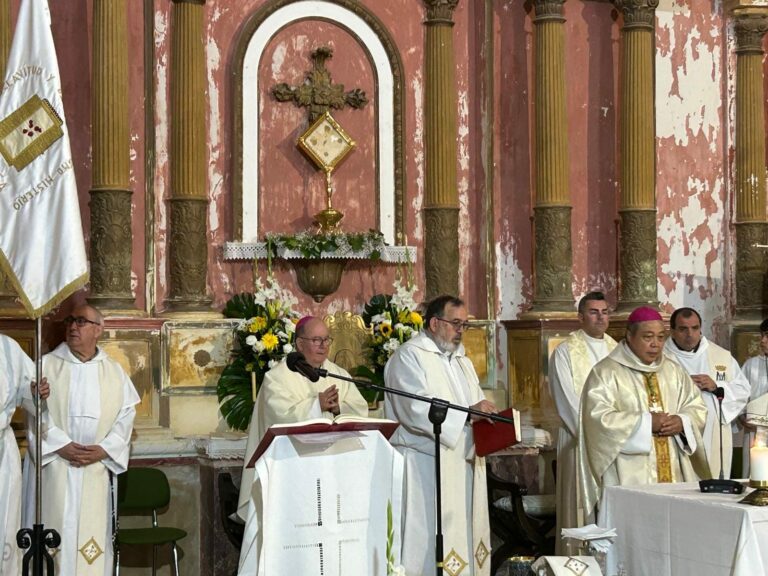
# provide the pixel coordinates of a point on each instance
(675, 530)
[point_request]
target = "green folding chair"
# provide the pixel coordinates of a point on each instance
(140, 490)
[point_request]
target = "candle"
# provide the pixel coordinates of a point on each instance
(758, 463)
(253, 386)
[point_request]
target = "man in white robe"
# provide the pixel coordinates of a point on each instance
(92, 408)
(433, 364)
(569, 366)
(755, 370)
(710, 367)
(286, 397)
(641, 416)
(16, 375)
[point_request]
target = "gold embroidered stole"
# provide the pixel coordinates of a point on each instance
(661, 443)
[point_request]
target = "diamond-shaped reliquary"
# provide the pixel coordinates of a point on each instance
(326, 143)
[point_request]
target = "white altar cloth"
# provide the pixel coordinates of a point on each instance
(675, 530)
(320, 506)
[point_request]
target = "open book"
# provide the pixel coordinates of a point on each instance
(341, 423)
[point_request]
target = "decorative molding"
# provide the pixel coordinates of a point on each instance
(554, 259)
(751, 262)
(750, 29)
(548, 10)
(637, 264)
(188, 253)
(441, 251)
(110, 248)
(638, 13)
(440, 11)
(384, 56)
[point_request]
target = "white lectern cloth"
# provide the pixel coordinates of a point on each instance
(319, 506)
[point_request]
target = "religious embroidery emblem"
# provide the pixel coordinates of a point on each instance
(29, 131)
(720, 373)
(576, 566)
(453, 563)
(661, 443)
(91, 551)
(481, 553)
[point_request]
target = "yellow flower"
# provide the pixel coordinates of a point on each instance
(386, 329)
(402, 316)
(259, 323)
(416, 319)
(270, 341)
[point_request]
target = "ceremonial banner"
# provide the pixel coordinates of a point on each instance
(41, 236)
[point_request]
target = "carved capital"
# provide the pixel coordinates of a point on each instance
(188, 250)
(441, 251)
(637, 13)
(554, 259)
(750, 29)
(111, 244)
(440, 11)
(637, 264)
(548, 10)
(751, 285)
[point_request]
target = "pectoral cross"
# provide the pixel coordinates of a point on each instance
(318, 93)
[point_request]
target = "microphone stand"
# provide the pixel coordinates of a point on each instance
(438, 410)
(720, 485)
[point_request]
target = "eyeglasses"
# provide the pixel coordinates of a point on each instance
(80, 321)
(318, 341)
(458, 325)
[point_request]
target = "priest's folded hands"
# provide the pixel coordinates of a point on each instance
(80, 455)
(663, 424)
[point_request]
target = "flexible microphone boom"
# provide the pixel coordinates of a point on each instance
(720, 485)
(296, 362)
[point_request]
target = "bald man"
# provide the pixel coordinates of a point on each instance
(286, 396)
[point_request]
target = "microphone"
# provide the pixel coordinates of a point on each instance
(296, 362)
(720, 484)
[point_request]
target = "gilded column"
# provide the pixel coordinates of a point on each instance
(441, 201)
(637, 211)
(750, 178)
(188, 247)
(552, 211)
(111, 238)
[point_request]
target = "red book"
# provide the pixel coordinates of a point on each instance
(342, 423)
(491, 437)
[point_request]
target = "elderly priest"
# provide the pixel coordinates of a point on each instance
(287, 397)
(641, 415)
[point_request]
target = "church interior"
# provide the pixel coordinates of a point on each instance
(516, 153)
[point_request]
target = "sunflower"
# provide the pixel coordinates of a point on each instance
(386, 329)
(270, 341)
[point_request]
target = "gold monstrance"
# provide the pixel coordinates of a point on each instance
(326, 144)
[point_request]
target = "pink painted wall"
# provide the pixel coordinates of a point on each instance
(695, 79)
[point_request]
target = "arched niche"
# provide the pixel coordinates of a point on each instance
(385, 61)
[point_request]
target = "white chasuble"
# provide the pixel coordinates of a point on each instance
(569, 366)
(420, 367)
(319, 506)
(616, 445)
(286, 397)
(16, 375)
(718, 364)
(90, 403)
